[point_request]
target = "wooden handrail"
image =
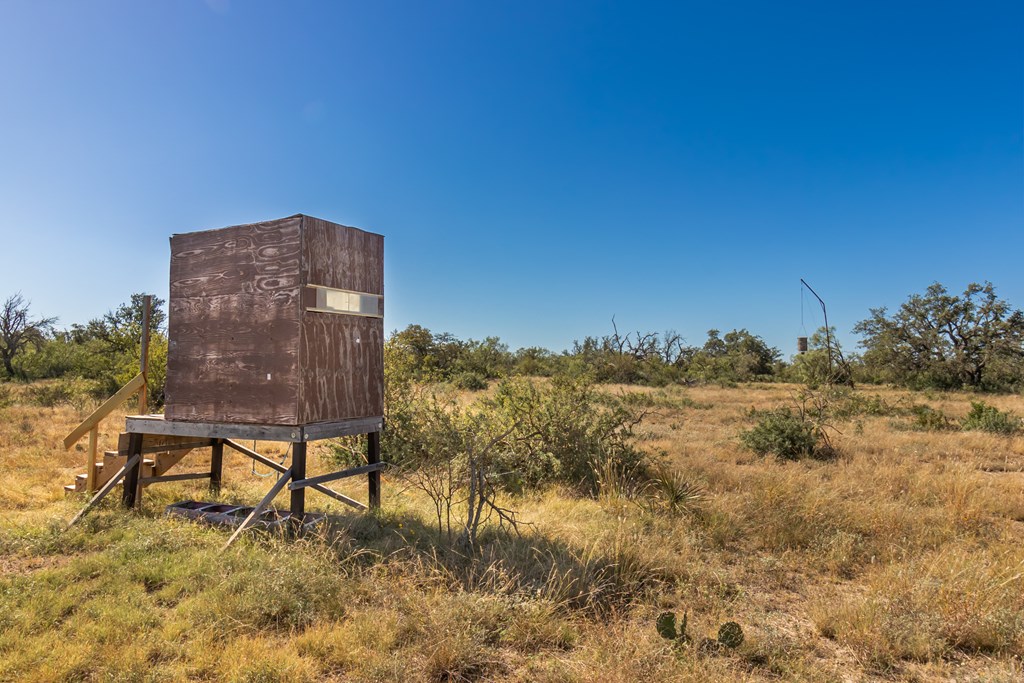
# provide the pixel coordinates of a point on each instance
(108, 407)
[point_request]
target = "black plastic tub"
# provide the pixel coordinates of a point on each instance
(189, 509)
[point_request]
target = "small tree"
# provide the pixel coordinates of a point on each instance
(943, 340)
(823, 362)
(738, 356)
(18, 330)
(458, 458)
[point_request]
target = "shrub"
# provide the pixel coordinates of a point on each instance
(564, 431)
(570, 431)
(72, 391)
(847, 403)
(782, 433)
(675, 492)
(470, 381)
(926, 418)
(986, 418)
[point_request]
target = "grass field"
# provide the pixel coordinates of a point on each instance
(901, 560)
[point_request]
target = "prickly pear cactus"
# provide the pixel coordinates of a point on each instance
(666, 625)
(730, 634)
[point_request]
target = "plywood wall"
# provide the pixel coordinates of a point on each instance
(243, 347)
(234, 324)
(342, 371)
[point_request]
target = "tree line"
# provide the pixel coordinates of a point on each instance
(936, 340)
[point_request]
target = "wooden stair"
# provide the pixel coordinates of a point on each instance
(161, 454)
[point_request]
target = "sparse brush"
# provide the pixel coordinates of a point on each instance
(910, 549)
(72, 391)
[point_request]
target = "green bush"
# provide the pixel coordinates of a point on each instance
(570, 431)
(470, 381)
(928, 419)
(986, 418)
(560, 431)
(846, 403)
(72, 391)
(782, 433)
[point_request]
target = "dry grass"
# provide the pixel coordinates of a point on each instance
(901, 560)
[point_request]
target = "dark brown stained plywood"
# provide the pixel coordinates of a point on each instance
(243, 347)
(237, 371)
(246, 259)
(342, 373)
(342, 257)
(234, 324)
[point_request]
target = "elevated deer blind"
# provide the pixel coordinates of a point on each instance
(276, 323)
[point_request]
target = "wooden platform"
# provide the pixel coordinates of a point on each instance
(156, 424)
(219, 434)
(151, 433)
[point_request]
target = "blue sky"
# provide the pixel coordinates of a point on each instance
(536, 167)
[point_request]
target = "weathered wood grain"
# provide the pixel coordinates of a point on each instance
(212, 429)
(342, 257)
(234, 324)
(242, 346)
(156, 428)
(342, 373)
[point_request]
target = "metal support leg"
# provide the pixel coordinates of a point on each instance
(372, 458)
(130, 497)
(216, 464)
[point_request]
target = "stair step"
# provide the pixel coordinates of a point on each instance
(70, 488)
(154, 466)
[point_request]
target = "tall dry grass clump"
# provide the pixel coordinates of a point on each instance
(962, 599)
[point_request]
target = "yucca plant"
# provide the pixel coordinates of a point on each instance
(676, 493)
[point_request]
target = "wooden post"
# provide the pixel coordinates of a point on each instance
(298, 503)
(147, 302)
(216, 464)
(372, 458)
(131, 496)
(90, 463)
(132, 462)
(279, 468)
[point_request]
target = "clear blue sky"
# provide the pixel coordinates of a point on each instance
(536, 167)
